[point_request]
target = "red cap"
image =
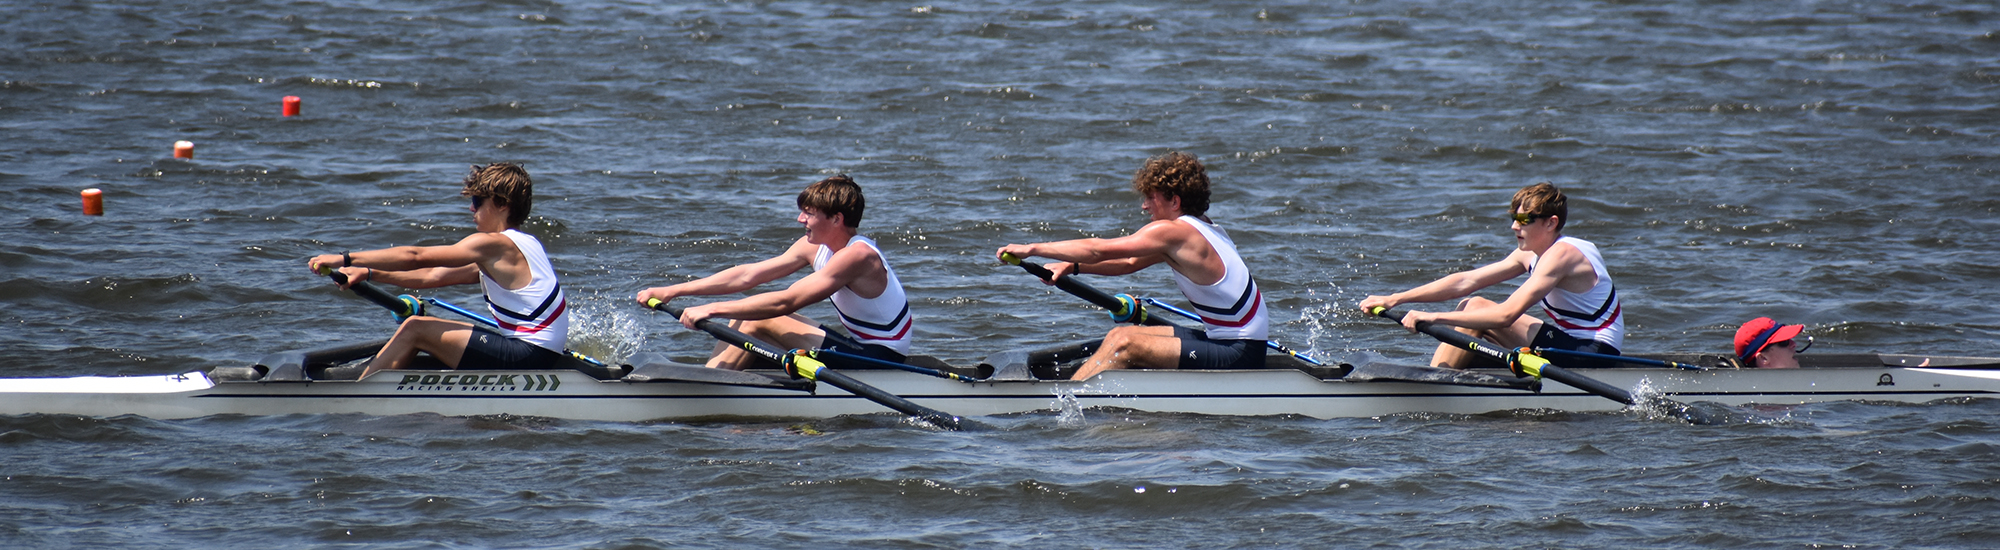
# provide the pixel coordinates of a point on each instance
(1760, 332)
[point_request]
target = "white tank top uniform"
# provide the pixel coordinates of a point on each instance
(883, 320)
(537, 313)
(1232, 308)
(1596, 314)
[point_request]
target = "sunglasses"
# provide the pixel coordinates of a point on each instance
(476, 202)
(1789, 343)
(1525, 218)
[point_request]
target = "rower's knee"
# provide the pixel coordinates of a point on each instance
(1475, 302)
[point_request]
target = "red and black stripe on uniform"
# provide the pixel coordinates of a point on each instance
(1234, 315)
(887, 328)
(528, 322)
(1557, 314)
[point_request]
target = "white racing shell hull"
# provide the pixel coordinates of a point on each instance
(573, 395)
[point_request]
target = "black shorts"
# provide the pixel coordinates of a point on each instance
(1554, 338)
(1199, 352)
(837, 341)
(488, 350)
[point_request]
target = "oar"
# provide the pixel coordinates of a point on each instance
(1122, 308)
(406, 305)
(1619, 359)
(1528, 364)
(1267, 343)
(805, 366)
(403, 306)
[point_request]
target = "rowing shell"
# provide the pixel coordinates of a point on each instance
(659, 389)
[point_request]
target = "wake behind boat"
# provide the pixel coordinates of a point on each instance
(650, 387)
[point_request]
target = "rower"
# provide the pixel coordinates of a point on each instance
(847, 267)
(1764, 344)
(521, 287)
(1205, 264)
(1566, 275)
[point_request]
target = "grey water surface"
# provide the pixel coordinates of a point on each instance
(1824, 163)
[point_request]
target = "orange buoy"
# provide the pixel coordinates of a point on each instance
(93, 202)
(184, 149)
(291, 105)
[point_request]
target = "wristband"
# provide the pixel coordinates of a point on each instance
(346, 260)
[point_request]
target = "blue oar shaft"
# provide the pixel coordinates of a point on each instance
(462, 312)
(1155, 302)
(827, 355)
(488, 321)
(1616, 358)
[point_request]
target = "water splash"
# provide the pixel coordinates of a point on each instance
(603, 327)
(1318, 319)
(1069, 411)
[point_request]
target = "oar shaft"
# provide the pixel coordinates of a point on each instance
(462, 312)
(729, 336)
(405, 309)
(489, 322)
(886, 399)
(1082, 290)
(805, 365)
(1467, 342)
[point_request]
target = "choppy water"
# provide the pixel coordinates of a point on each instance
(1823, 163)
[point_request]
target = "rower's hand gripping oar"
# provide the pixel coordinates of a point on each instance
(1529, 364)
(1123, 308)
(804, 365)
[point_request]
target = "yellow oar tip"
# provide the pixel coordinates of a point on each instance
(653, 302)
(1377, 310)
(1010, 258)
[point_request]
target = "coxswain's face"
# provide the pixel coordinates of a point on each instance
(1779, 355)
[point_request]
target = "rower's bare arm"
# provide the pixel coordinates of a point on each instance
(1453, 286)
(429, 277)
(739, 278)
(1554, 265)
(1123, 255)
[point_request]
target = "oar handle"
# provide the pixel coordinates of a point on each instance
(403, 306)
(1125, 310)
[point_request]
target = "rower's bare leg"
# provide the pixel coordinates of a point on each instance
(443, 339)
(790, 332)
(1133, 347)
